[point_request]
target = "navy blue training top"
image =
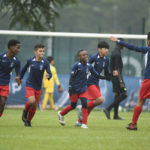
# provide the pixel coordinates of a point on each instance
(142, 49)
(36, 71)
(6, 67)
(78, 78)
(99, 64)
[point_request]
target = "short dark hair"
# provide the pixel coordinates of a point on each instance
(80, 52)
(148, 36)
(38, 46)
(103, 44)
(50, 59)
(13, 43)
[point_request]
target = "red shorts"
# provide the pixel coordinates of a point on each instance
(4, 90)
(93, 92)
(32, 92)
(74, 98)
(145, 89)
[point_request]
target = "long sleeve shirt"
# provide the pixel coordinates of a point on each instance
(36, 72)
(6, 67)
(100, 64)
(78, 77)
(142, 49)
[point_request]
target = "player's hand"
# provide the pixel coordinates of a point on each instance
(115, 73)
(47, 75)
(60, 89)
(18, 80)
(114, 39)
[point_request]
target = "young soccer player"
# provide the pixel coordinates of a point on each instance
(37, 66)
(119, 89)
(100, 62)
(145, 87)
(78, 87)
(8, 61)
(49, 85)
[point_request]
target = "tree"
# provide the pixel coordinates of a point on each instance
(36, 15)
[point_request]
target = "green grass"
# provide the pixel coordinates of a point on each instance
(48, 134)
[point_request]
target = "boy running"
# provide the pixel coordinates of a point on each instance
(37, 66)
(100, 62)
(8, 61)
(78, 87)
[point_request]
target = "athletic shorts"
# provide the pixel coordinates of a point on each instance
(4, 90)
(74, 97)
(93, 92)
(145, 89)
(32, 92)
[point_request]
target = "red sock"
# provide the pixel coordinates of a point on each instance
(84, 115)
(27, 106)
(31, 113)
(136, 114)
(90, 104)
(1, 114)
(66, 110)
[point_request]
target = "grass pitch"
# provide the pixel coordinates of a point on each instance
(47, 134)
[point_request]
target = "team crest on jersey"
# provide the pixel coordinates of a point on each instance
(12, 64)
(103, 64)
(41, 67)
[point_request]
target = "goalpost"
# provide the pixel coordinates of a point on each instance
(49, 35)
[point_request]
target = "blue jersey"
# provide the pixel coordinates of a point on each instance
(142, 49)
(99, 64)
(6, 67)
(78, 78)
(36, 71)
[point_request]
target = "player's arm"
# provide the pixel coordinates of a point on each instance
(107, 74)
(131, 47)
(95, 73)
(57, 80)
(17, 70)
(48, 70)
(24, 69)
(72, 76)
(91, 59)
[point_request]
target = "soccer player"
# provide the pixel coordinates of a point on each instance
(78, 87)
(116, 66)
(49, 85)
(145, 87)
(100, 62)
(37, 66)
(8, 61)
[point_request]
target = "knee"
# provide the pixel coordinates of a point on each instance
(100, 100)
(73, 105)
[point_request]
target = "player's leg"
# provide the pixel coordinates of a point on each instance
(95, 97)
(136, 114)
(144, 93)
(4, 92)
(2, 104)
(61, 114)
(51, 101)
(45, 100)
(84, 112)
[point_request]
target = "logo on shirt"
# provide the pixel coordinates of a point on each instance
(12, 64)
(41, 67)
(103, 64)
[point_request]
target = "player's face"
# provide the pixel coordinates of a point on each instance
(15, 49)
(103, 51)
(148, 42)
(39, 53)
(83, 56)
